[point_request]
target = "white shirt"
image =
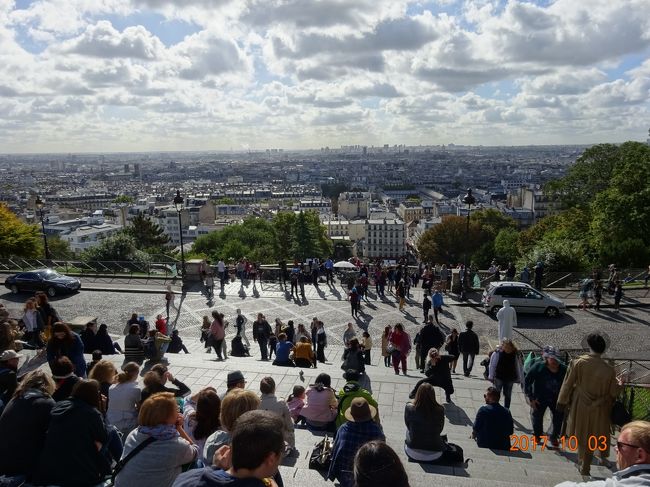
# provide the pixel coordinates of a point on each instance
(122, 403)
(221, 266)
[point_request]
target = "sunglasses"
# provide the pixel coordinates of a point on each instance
(620, 444)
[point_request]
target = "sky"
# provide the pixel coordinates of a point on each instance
(141, 75)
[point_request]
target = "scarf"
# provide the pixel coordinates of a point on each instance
(160, 432)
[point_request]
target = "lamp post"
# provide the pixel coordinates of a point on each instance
(39, 204)
(178, 204)
(469, 200)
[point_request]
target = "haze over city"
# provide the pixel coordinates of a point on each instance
(142, 75)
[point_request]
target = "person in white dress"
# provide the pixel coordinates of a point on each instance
(507, 317)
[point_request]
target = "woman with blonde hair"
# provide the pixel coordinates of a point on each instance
(168, 445)
(234, 404)
(105, 373)
(25, 420)
(33, 322)
(124, 398)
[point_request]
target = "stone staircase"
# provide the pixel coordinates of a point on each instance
(485, 467)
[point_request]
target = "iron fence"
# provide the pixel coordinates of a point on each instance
(162, 270)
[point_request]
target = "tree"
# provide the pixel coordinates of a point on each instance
(119, 247)
(148, 235)
(506, 245)
(557, 255)
(447, 242)
(18, 239)
(124, 199)
(304, 244)
(254, 239)
(226, 200)
(283, 223)
(59, 248)
(491, 221)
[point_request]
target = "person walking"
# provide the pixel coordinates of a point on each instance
(384, 345)
(209, 284)
(618, 295)
(355, 301)
(436, 303)
(507, 317)
(426, 306)
(321, 342)
(240, 323)
(539, 275)
(505, 370)
(261, 334)
(217, 334)
(169, 300)
(430, 337)
(542, 388)
(451, 347)
(587, 395)
(401, 294)
(598, 293)
(399, 344)
(444, 274)
(469, 347)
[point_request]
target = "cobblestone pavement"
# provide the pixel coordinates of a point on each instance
(629, 330)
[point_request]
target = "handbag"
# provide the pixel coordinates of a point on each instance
(122, 463)
(321, 456)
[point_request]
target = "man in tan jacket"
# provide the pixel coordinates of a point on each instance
(588, 392)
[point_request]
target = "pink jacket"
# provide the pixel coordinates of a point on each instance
(320, 407)
(401, 341)
(216, 329)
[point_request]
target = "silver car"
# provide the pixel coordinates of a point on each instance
(523, 297)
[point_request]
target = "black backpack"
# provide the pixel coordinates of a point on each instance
(238, 349)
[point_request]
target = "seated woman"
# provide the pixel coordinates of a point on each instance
(201, 416)
(71, 455)
(133, 347)
(66, 343)
(169, 446)
(155, 380)
(303, 354)
(104, 372)
(283, 352)
(25, 420)
(64, 378)
(355, 358)
(176, 345)
(123, 399)
(424, 419)
(234, 404)
(105, 343)
(321, 406)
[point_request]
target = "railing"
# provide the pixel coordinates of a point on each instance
(160, 270)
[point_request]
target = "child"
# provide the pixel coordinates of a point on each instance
(205, 334)
(295, 403)
(273, 342)
(618, 294)
(97, 356)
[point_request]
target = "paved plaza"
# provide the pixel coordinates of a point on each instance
(113, 304)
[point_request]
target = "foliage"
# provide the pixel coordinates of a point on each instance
(148, 235)
(491, 221)
(254, 239)
(333, 190)
(447, 242)
(59, 248)
(283, 222)
(506, 245)
(119, 247)
(557, 255)
(18, 238)
(124, 199)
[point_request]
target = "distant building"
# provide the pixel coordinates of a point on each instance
(85, 237)
(410, 211)
(534, 200)
(319, 205)
(385, 239)
(354, 205)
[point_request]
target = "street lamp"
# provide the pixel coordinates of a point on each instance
(178, 204)
(39, 204)
(469, 200)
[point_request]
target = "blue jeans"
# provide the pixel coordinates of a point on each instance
(506, 389)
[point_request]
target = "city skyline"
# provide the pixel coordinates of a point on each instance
(220, 75)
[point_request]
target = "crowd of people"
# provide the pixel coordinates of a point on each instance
(157, 432)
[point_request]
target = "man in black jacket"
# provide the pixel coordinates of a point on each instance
(261, 334)
(469, 346)
(430, 337)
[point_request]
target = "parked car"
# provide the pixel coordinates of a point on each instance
(47, 280)
(523, 297)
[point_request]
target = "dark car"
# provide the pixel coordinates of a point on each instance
(47, 280)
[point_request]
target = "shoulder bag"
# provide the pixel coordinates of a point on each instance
(122, 463)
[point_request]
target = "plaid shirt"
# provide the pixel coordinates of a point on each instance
(349, 438)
